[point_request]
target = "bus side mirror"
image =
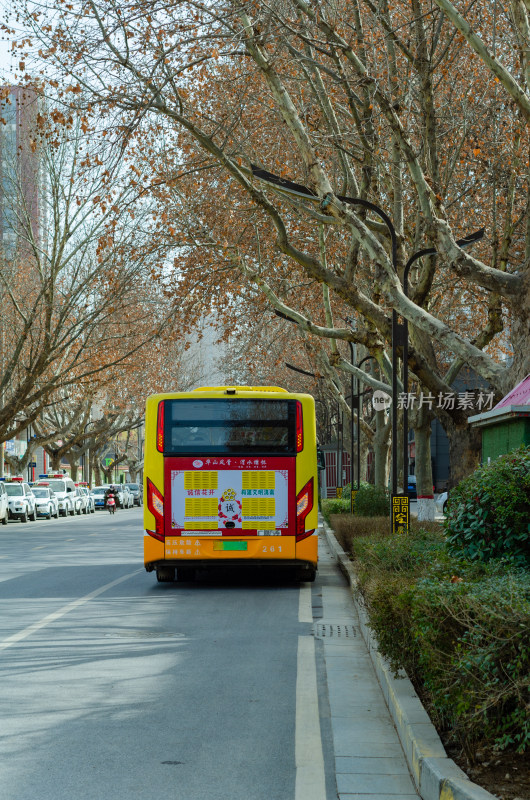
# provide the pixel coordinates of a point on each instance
(321, 461)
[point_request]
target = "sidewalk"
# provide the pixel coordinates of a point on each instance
(386, 747)
(369, 760)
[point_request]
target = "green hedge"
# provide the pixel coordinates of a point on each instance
(489, 512)
(460, 629)
(335, 506)
(372, 501)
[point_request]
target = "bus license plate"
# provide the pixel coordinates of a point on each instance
(230, 545)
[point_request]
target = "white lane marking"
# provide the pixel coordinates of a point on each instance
(305, 609)
(42, 546)
(23, 634)
(310, 780)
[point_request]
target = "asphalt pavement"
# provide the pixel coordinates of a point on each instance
(232, 687)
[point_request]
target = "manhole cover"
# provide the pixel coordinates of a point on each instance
(334, 630)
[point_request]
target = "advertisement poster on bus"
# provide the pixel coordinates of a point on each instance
(212, 498)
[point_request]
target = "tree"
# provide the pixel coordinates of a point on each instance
(368, 101)
(83, 294)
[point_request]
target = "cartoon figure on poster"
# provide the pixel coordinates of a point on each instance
(229, 507)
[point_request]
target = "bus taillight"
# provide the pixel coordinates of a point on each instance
(304, 504)
(160, 428)
(155, 504)
(299, 427)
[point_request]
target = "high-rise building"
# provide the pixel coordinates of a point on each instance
(21, 206)
(20, 173)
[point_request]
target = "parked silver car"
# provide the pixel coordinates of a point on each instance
(136, 490)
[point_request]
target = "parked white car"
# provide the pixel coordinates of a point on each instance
(80, 501)
(128, 499)
(64, 490)
(46, 502)
(90, 499)
(21, 501)
(4, 504)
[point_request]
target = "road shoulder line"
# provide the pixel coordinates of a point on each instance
(310, 775)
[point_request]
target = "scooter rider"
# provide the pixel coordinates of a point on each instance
(111, 494)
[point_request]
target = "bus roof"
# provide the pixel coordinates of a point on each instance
(240, 389)
(218, 392)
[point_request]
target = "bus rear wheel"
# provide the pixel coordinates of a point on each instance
(165, 574)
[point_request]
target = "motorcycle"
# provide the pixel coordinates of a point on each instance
(111, 505)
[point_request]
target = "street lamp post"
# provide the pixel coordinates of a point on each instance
(357, 404)
(86, 455)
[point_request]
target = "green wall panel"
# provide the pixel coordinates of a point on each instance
(504, 437)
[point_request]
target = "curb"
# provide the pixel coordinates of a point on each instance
(435, 775)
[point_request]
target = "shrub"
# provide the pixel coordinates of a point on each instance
(473, 649)
(372, 501)
(460, 629)
(489, 512)
(335, 506)
(348, 526)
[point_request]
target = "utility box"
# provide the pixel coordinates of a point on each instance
(507, 426)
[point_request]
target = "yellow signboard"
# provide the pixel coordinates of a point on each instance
(353, 496)
(339, 491)
(400, 513)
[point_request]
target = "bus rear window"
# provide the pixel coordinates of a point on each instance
(230, 426)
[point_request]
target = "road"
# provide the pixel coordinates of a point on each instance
(114, 686)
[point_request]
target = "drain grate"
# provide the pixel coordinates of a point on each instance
(334, 630)
(144, 635)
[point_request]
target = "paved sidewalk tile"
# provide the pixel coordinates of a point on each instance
(377, 750)
(358, 764)
(365, 712)
(343, 796)
(369, 760)
(348, 733)
(374, 784)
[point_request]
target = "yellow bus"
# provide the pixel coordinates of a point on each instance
(230, 478)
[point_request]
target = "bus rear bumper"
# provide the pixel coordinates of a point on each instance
(260, 551)
(207, 563)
